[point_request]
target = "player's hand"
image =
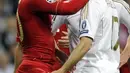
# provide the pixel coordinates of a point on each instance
(123, 58)
(64, 41)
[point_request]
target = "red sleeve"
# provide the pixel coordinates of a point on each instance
(62, 7)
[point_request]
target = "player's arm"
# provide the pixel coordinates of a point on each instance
(88, 28)
(125, 55)
(18, 57)
(76, 55)
(57, 6)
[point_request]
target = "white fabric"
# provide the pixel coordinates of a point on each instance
(124, 13)
(97, 24)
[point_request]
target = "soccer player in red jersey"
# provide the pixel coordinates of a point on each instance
(34, 32)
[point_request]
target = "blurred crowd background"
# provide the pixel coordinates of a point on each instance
(7, 35)
(8, 32)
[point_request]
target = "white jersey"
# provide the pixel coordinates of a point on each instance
(101, 23)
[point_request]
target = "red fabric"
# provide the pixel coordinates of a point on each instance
(125, 69)
(60, 7)
(35, 66)
(59, 35)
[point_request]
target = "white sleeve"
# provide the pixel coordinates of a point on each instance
(125, 17)
(59, 20)
(90, 19)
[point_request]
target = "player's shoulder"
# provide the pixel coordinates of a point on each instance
(122, 4)
(24, 4)
(96, 4)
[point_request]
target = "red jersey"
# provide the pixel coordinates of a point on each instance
(35, 21)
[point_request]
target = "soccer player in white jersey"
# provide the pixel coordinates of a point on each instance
(99, 26)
